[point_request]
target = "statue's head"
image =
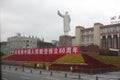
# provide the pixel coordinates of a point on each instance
(66, 12)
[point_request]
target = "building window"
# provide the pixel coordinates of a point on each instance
(27, 40)
(92, 39)
(83, 39)
(87, 32)
(114, 29)
(108, 30)
(118, 29)
(82, 33)
(91, 31)
(103, 30)
(27, 45)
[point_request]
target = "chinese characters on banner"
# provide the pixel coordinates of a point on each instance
(56, 50)
(115, 19)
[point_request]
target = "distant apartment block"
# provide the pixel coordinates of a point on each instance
(19, 42)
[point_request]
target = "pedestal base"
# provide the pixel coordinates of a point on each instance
(65, 40)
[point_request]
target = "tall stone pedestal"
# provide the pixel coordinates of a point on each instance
(65, 40)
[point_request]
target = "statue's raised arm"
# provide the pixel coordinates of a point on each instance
(61, 15)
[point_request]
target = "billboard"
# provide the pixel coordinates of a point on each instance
(55, 50)
(115, 19)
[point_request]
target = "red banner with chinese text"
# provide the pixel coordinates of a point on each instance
(55, 50)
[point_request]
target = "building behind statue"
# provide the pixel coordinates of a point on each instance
(104, 36)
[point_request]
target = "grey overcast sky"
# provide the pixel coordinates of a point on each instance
(39, 17)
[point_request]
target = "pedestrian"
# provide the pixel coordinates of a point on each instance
(71, 69)
(35, 65)
(23, 65)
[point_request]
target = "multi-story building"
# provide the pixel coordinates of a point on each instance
(105, 36)
(3, 47)
(19, 41)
